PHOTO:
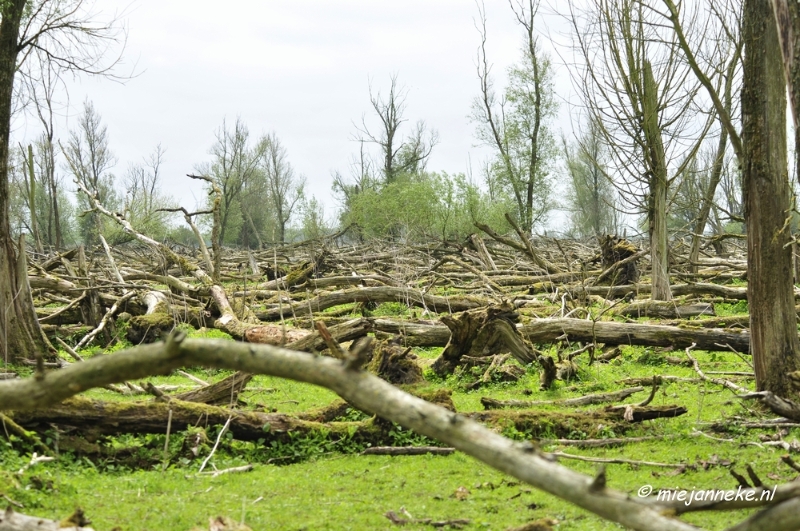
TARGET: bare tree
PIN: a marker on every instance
(90, 160)
(591, 201)
(516, 125)
(284, 188)
(637, 87)
(144, 202)
(235, 164)
(714, 54)
(400, 156)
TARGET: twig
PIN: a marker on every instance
(216, 444)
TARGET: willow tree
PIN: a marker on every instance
(645, 101)
(71, 39)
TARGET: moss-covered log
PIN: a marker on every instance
(94, 418)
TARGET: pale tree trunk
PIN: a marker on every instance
(657, 196)
(20, 334)
(32, 200)
(708, 199)
(767, 198)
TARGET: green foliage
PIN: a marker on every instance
(312, 219)
(726, 308)
(518, 130)
(429, 205)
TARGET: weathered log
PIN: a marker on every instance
(414, 334)
(622, 394)
(616, 292)
(608, 332)
(11, 520)
(250, 332)
(95, 418)
(347, 331)
(226, 391)
(613, 333)
(412, 297)
(665, 309)
(535, 422)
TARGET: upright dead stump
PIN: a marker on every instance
(395, 364)
(614, 250)
(482, 332)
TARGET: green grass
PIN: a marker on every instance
(332, 490)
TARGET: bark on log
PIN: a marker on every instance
(665, 309)
(347, 331)
(95, 418)
(412, 297)
(11, 520)
(608, 332)
(420, 334)
(613, 333)
(226, 391)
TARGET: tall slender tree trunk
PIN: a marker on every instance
(32, 200)
(657, 198)
(708, 199)
(20, 333)
(767, 197)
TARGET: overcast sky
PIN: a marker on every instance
(302, 69)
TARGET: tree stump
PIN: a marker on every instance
(482, 332)
(613, 250)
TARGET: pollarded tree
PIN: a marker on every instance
(645, 99)
(72, 39)
(516, 126)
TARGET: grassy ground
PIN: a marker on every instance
(326, 489)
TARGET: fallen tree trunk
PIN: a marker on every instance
(614, 292)
(665, 309)
(95, 418)
(226, 391)
(414, 334)
(608, 332)
(613, 333)
(411, 297)
(492, 403)
(11, 520)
